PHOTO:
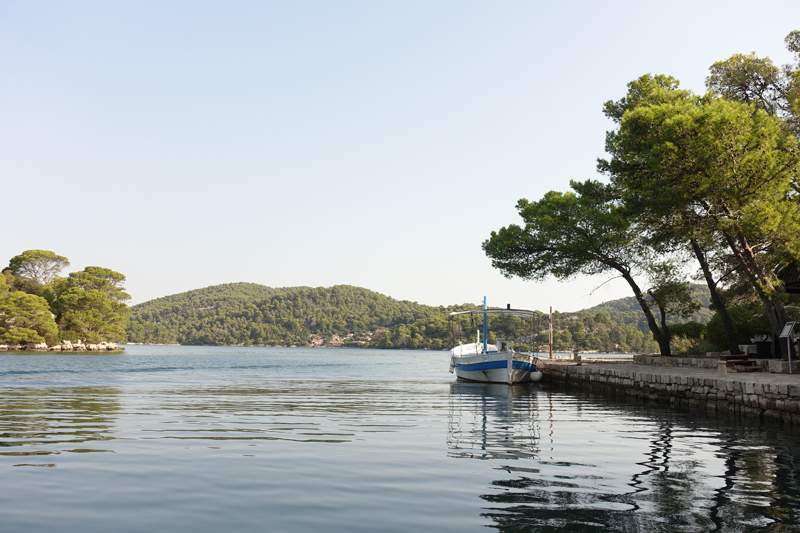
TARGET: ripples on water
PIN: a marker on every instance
(584, 463)
(201, 439)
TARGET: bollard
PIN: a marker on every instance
(722, 368)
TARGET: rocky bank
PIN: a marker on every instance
(65, 346)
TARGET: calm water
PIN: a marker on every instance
(266, 439)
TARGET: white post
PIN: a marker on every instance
(551, 332)
(510, 355)
(787, 332)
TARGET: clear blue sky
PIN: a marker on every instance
(376, 144)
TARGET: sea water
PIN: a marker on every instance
(163, 438)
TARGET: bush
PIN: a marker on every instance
(690, 330)
(746, 323)
(681, 345)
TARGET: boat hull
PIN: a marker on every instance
(493, 368)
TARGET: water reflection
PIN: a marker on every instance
(292, 411)
(492, 421)
(43, 421)
(587, 463)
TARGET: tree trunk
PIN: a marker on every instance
(727, 323)
(663, 316)
(663, 342)
(763, 286)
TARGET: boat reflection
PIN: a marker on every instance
(492, 421)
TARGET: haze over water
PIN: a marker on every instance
(267, 439)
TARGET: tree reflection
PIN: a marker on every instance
(38, 421)
(675, 471)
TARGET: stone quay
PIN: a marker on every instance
(688, 383)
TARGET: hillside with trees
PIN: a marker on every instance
(254, 315)
(251, 314)
(627, 310)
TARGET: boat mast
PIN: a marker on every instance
(485, 327)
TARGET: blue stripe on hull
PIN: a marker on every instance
(488, 365)
(521, 365)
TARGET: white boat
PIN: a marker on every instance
(494, 363)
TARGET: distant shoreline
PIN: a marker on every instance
(540, 353)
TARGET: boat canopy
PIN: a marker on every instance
(515, 312)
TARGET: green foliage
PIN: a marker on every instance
(753, 80)
(23, 284)
(566, 234)
(101, 279)
(689, 330)
(748, 79)
(587, 331)
(708, 170)
(4, 288)
(691, 346)
(586, 232)
(793, 76)
(26, 318)
(649, 90)
(90, 316)
(671, 294)
(628, 311)
(707, 164)
(716, 174)
(747, 322)
(39, 265)
(250, 314)
(87, 305)
(20, 336)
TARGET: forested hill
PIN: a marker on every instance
(247, 313)
(628, 311)
(250, 314)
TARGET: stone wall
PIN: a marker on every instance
(775, 366)
(772, 401)
(658, 360)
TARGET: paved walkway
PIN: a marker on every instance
(683, 371)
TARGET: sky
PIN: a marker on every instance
(316, 143)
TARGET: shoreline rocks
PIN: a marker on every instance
(65, 346)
